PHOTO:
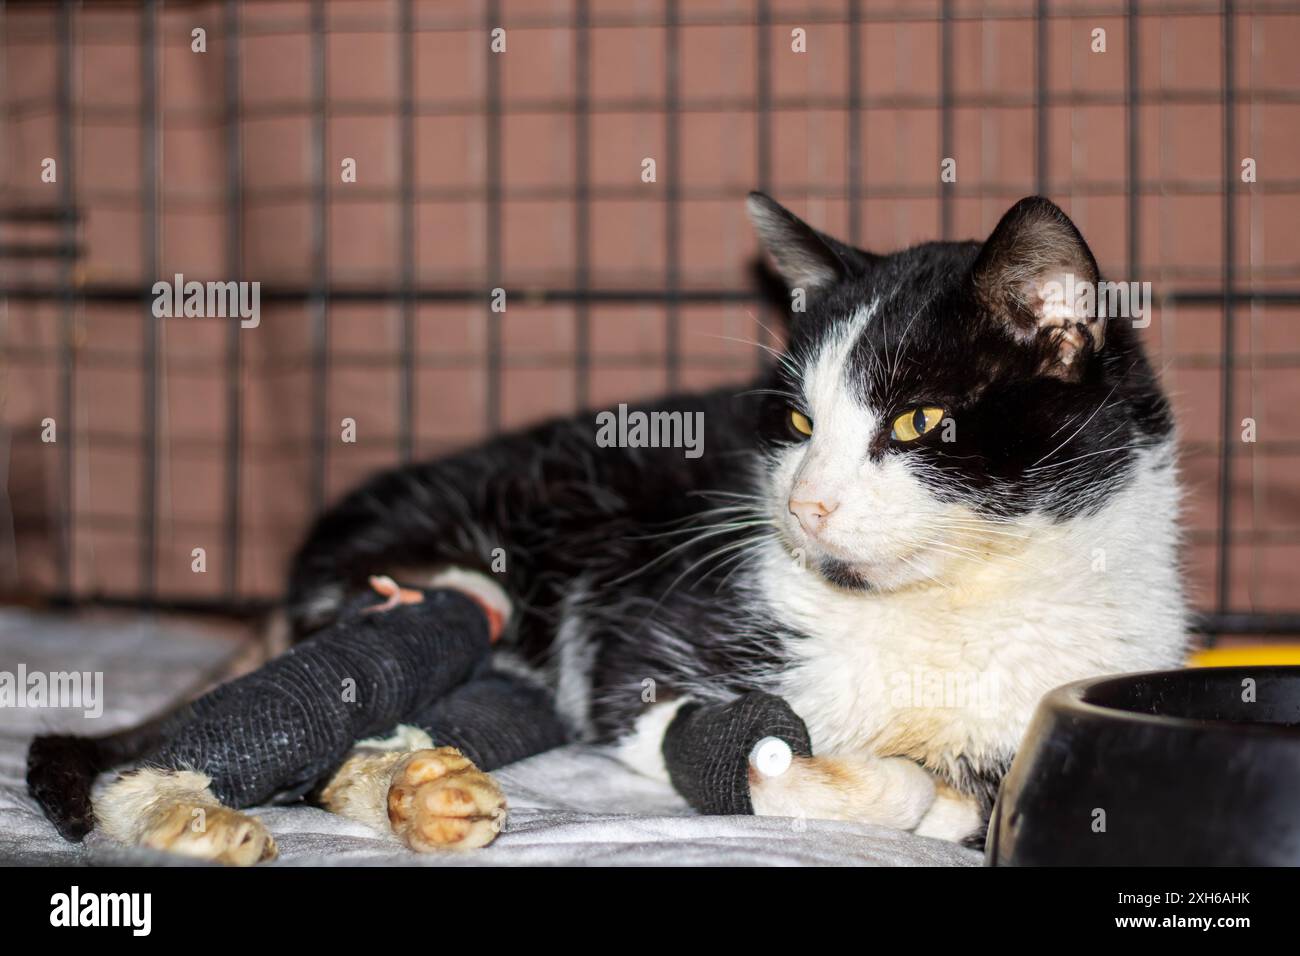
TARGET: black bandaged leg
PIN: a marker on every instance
(494, 720)
(707, 747)
(281, 730)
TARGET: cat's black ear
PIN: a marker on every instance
(1037, 277)
(805, 258)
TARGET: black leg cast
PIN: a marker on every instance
(707, 748)
(494, 720)
(279, 731)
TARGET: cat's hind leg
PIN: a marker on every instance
(176, 811)
(431, 798)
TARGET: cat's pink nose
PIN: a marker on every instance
(811, 514)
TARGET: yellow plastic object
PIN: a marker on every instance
(1245, 654)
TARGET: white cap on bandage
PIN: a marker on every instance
(771, 756)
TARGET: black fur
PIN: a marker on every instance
(982, 783)
(61, 769)
(588, 536)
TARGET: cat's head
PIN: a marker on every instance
(947, 400)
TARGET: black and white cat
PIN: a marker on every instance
(954, 490)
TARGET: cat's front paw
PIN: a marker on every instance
(891, 792)
(208, 833)
(439, 800)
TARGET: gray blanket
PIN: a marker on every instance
(573, 806)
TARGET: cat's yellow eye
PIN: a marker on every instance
(915, 422)
(801, 422)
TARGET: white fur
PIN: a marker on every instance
(126, 808)
(888, 792)
(572, 657)
(950, 817)
(404, 739)
(1006, 626)
(642, 748)
(477, 585)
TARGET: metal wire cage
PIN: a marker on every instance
(505, 145)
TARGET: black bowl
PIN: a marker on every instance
(1168, 768)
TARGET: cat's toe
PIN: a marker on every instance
(210, 833)
(439, 800)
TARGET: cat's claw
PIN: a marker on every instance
(439, 800)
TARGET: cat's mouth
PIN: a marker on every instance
(886, 575)
(843, 574)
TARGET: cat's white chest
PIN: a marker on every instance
(912, 681)
(926, 676)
